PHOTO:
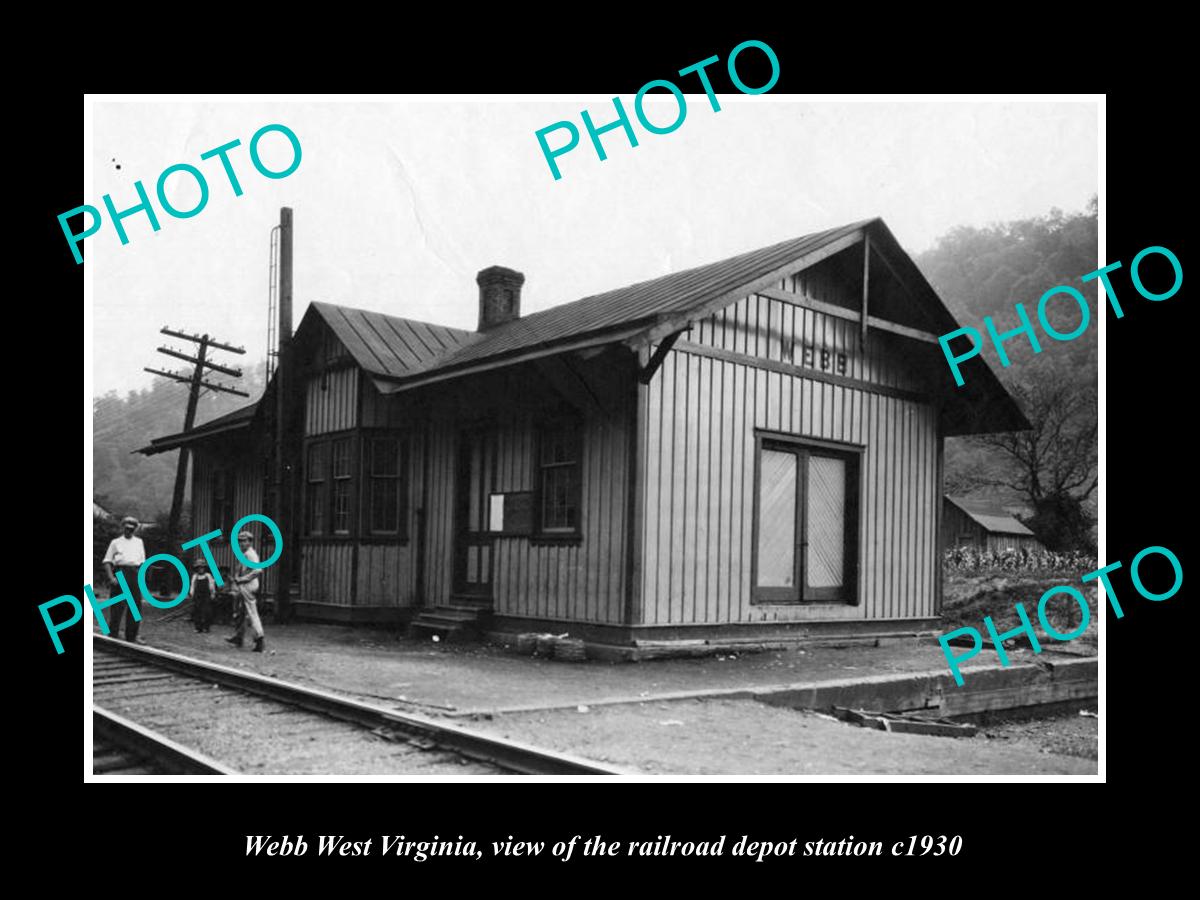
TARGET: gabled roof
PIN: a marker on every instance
(646, 300)
(648, 311)
(401, 350)
(621, 313)
(390, 346)
(990, 516)
(402, 353)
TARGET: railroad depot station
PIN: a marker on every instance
(746, 450)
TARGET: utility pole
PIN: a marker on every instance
(283, 446)
(196, 382)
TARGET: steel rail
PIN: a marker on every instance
(507, 754)
(131, 736)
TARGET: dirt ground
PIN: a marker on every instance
(743, 737)
(446, 678)
(492, 689)
(1073, 732)
(970, 597)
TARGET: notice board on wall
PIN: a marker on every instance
(511, 514)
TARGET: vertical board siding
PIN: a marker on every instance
(247, 498)
(769, 328)
(699, 456)
(326, 571)
(1012, 542)
(440, 516)
(333, 407)
(377, 410)
(386, 575)
(583, 582)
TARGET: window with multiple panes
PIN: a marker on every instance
(806, 522)
(384, 485)
(559, 478)
(316, 496)
(351, 496)
(340, 472)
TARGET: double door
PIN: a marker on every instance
(806, 512)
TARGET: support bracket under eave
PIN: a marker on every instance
(570, 385)
(646, 372)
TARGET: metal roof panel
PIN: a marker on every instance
(990, 516)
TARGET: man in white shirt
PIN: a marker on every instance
(126, 553)
(245, 586)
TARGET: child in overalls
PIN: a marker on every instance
(201, 593)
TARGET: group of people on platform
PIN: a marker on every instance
(126, 554)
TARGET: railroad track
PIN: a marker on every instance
(122, 747)
(191, 714)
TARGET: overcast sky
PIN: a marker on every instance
(398, 205)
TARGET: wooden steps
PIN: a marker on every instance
(460, 619)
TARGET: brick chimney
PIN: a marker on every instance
(499, 296)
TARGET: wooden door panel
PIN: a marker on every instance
(476, 475)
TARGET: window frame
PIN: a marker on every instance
(358, 493)
(366, 526)
(321, 444)
(335, 480)
(572, 424)
(802, 448)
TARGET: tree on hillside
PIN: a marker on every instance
(141, 485)
(1051, 469)
(1053, 465)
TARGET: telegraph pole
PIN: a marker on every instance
(195, 382)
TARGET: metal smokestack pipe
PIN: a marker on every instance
(285, 277)
(283, 462)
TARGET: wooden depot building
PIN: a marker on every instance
(751, 448)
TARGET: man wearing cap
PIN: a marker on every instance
(126, 553)
(245, 584)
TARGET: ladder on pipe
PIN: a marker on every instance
(272, 304)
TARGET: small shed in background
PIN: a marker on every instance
(976, 523)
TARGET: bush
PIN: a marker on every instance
(972, 559)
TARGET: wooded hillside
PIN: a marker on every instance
(1049, 473)
(125, 482)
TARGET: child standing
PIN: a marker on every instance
(201, 592)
